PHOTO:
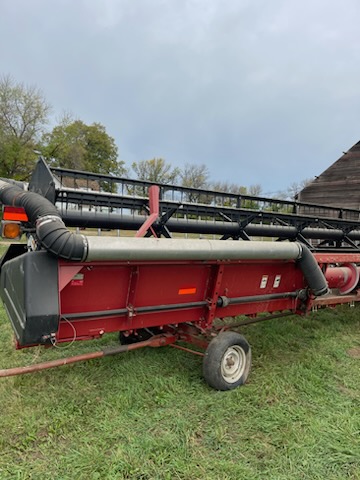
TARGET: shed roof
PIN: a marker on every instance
(338, 185)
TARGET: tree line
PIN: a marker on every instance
(24, 118)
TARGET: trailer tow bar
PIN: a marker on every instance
(155, 341)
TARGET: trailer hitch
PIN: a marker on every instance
(155, 341)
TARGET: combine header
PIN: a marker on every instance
(64, 286)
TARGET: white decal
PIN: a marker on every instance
(264, 281)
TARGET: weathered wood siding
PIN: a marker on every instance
(339, 185)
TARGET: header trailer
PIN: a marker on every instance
(64, 286)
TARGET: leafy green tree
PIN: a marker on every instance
(254, 191)
(228, 187)
(75, 145)
(231, 188)
(156, 170)
(23, 116)
(195, 176)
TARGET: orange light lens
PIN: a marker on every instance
(11, 230)
(187, 291)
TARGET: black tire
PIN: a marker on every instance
(227, 361)
(141, 335)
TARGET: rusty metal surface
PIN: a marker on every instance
(156, 341)
(332, 300)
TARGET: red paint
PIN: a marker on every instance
(118, 291)
(345, 278)
(154, 192)
(16, 214)
(131, 286)
(181, 298)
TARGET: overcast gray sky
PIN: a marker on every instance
(260, 91)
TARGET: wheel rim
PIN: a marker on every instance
(233, 364)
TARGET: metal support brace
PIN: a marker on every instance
(154, 191)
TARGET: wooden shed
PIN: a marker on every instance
(339, 185)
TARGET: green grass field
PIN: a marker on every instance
(149, 415)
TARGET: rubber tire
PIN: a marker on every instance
(142, 334)
(214, 356)
(140, 337)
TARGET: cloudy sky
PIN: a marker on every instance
(262, 92)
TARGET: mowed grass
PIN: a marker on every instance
(149, 415)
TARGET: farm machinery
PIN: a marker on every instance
(175, 267)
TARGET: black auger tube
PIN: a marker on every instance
(50, 229)
(312, 272)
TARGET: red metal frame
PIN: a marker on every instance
(180, 300)
(104, 297)
(154, 207)
(101, 297)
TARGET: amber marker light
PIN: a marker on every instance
(10, 230)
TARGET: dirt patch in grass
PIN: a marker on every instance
(354, 352)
